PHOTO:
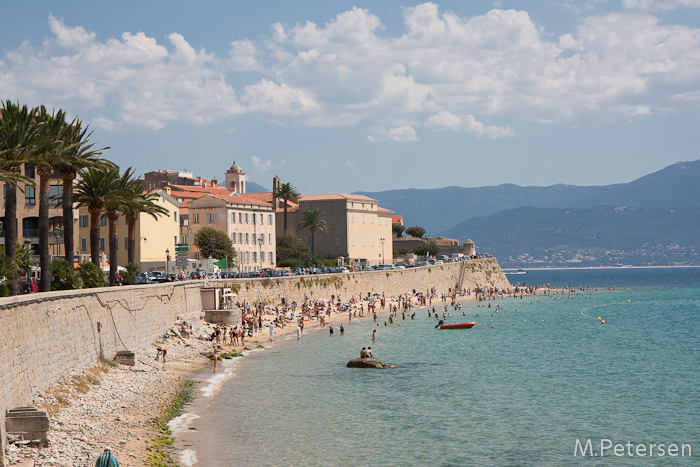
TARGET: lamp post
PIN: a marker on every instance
(261, 239)
(381, 239)
(28, 247)
(167, 261)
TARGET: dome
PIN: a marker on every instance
(235, 168)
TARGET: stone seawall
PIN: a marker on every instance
(480, 273)
(45, 336)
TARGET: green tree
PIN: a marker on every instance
(121, 194)
(94, 189)
(64, 276)
(313, 221)
(19, 131)
(214, 243)
(53, 142)
(398, 230)
(135, 203)
(292, 252)
(286, 192)
(429, 248)
(79, 155)
(415, 231)
(91, 275)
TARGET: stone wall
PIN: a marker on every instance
(45, 336)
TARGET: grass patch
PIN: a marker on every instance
(161, 443)
(80, 384)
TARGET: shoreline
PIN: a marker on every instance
(117, 407)
(559, 268)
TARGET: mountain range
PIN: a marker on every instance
(653, 220)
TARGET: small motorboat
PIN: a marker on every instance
(458, 325)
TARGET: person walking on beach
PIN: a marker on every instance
(107, 459)
(331, 329)
(342, 329)
(272, 331)
(374, 335)
(298, 332)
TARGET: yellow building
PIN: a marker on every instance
(28, 212)
(358, 229)
(247, 221)
(153, 237)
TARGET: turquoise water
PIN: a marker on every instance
(520, 393)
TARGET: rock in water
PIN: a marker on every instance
(367, 363)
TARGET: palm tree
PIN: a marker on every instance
(78, 155)
(286, 192)
(55, 141)
(121, 192)
(18, 136)
(94, 189)
(312, 221)
(135, 203)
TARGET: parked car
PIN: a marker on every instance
(28, 285)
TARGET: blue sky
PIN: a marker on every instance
(346, 96)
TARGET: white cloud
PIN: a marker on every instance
(402, 134)
(444, 120)
(349, 164)
(259, 165)
(448, 71)
(650, 5)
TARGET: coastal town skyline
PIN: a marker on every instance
(359, 96)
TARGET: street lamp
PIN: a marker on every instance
(260, 242)
(167, 261)
(28, 246)
(381, 239)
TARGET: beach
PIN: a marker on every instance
(114, 406)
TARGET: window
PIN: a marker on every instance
(255, 256)
(233, 238)
(175, 240)
(83, 221)
(371, 217)
(270, 219)
(83, 244)
(353, 240)
(247, 256)
(246, 217)
(55, 194)
(363, 217)
(385, 221)
(175, 216)
(270, 258)
(371, 240)
(247, 239)
(29, 171)
(240, 238)
(364, 243)
(195, 218)
(269, 239)
(262, 239)
(253, 218)
(211, 218)
(102, 244)
(233, 217)
(29, 195)
(352, 217)
(103, 222)
(240, 217)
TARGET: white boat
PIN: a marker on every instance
(519, 271)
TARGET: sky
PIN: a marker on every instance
(369, 96)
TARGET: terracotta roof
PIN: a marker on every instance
(397, 220)
(381, 209)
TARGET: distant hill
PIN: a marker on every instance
(252, 187)
(601, 236)
(437, 210)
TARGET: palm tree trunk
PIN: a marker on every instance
(95, 235)
(11, 232)
(112, 223)
(67, 206)
(131, 247)
(313, 241)
(44, 255)
(285, 216)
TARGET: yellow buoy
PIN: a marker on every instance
(598, 318)
(628, 301)
(602, 321)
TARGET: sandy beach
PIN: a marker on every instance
(113, 406)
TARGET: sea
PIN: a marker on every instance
(536, 382)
